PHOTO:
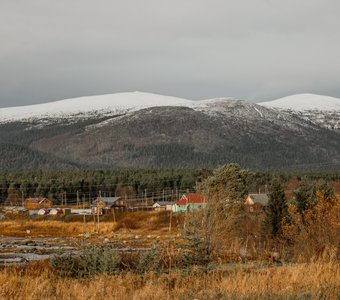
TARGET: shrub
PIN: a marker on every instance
(91, 260)
(149, 261)
(195, 250)
(94, 260)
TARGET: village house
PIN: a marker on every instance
(256, 202)
(189, 202)
(38, 203)
(162, 205)
(106, 204)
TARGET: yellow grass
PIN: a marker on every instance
(49, 228)
(138, 222)
(315, 280)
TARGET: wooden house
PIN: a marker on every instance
(106, 204)
(189, 202)
(256, 202)
(38, 203)
(162, 205)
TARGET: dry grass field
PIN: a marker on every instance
(73, 226)
(316, 280)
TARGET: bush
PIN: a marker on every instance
(94, 260)
(149, 261)
(195, 249)
(91, 260)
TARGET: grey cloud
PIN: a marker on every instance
(254, 50)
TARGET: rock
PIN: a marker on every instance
(26, 242)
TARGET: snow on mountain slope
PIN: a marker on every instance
(303, 102)
(112, 103)
(321, 110)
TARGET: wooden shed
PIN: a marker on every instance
(38, 203)
(162, 205)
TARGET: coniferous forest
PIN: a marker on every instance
(136, 183)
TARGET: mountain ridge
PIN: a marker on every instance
(204, 133)
(120, 103)
(303, 102)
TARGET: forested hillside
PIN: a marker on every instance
(207, 135)
(21, 158)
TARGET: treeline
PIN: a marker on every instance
(125, 183)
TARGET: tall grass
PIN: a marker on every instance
(72, 226)
(315, 280)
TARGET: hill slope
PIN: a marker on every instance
(21, 158)
(303, 102)
(87, 106)
(232, 131)
(184, 134)
(321, 110)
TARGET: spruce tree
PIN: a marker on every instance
(277, 207)
(305, 196)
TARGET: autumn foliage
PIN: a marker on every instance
(315, 232)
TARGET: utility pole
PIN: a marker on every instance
(94, 218)
(77, 199)
(170, 221)
(100, 196)
(22, 199)
(84, 217)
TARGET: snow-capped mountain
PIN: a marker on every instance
(132, 130)
(121, 103)
(88, 106)
(105, 105)
(321, 110)
(303, 102)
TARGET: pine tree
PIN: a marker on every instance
(210, 231)
(277, 207)
(305, 196)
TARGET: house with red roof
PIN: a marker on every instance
(189, 202)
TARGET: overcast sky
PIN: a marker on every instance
(254, 50)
